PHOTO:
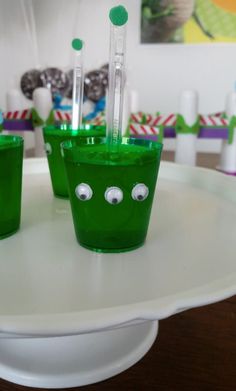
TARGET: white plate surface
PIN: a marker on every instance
(49, 285)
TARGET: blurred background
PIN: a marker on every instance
(37, 34)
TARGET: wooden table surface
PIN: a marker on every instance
(194, 350)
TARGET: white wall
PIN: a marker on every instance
(158, 72)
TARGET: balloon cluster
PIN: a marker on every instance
(61, 83)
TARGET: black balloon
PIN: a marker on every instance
(55, 80)
(95, 83)
(29, 81)
(105, 67)
(69, 90)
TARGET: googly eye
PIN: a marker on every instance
(140, 192)
(83, 192)
(113, 195)
(48, 148)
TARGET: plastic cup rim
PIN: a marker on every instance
(10, 141)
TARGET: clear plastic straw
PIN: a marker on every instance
(116, 83)
(78, 85)
(29, 22)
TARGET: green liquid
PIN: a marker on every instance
(53, 138)
(11, 155)
(102, 226)
(125, 155)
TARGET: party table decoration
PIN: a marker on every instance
(155, 126)
(112, 180)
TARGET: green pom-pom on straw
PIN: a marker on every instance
(78, 83)
(118, 15)
(77, 44)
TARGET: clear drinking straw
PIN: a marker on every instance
(78, 84)
(118, 17)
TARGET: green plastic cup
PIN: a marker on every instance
(111, 193)
(53, 137)
(11, 158)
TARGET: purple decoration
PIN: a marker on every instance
(215, 133)
(205, 132)
(11, 124)
(226, 172)
(169, 132)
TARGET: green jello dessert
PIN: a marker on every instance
(111, 193)
(53, 137)
(11, 156)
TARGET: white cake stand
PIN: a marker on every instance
(70, 317)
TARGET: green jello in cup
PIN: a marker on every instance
(11, 158)
(111, 192)
(53, 137)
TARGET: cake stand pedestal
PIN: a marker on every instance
(71, 317)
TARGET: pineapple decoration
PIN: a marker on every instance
(226, 5)
(218, 17)
(162, 19)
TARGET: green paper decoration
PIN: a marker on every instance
(38, 121)
(182, 127)
(232, 126)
